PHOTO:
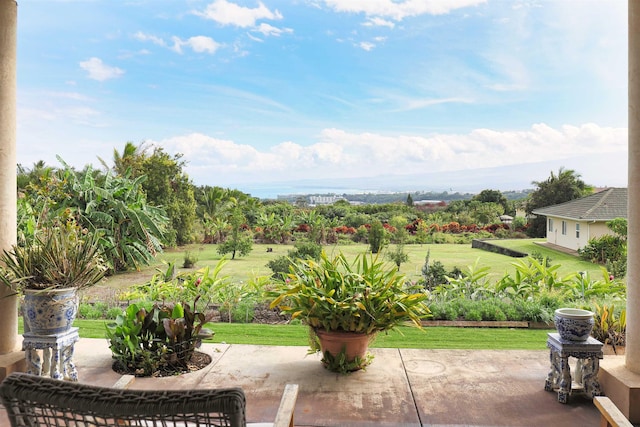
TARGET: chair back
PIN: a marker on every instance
(41, 401)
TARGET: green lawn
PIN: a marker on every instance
(431, 337)
(405, 337)
(449, 255)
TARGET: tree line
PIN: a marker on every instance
(144, 201)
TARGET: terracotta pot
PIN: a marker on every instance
(353, 344)
(50, 312)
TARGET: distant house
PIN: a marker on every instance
(572, 224)
(324, 200)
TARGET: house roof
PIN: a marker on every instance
(605, 205)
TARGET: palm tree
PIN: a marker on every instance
(556, 189)
(37, 174)
(126, 161)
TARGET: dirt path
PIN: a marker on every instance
(109, 289)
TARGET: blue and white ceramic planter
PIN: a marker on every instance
(574, 324)
(51, 311)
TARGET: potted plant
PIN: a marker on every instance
(347, 303)
(48, 270)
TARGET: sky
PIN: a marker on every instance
(276, 97)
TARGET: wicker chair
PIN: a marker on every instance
(40, 401)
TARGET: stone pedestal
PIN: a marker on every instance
(51, 355)
(585, 376)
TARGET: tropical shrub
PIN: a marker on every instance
(363, 296)
(609, 249)
(114, 207)
(543, 259)
(534, 311)
(305, 249)
(60, 255)
(442, 310)
(190, 260)
(604, 248)
(237, 300)
(493, 309)
(163, 327)
(97, 310)
(377, 237)
(167, 286)
(472, 283)
(617, 268)
(433, 273)
(531, 278)
(584, 287)
(131, 340)
(610, 325)
(162, 337)
(361, 235)
(397, 255)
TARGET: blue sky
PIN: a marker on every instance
(330, 94)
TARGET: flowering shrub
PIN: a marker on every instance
(390, 228)
(343, 229)
(303, 228)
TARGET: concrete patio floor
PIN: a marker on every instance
(402, 387)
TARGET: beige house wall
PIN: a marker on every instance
(571, 239)
(598, 229)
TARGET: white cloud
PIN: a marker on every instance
(198, 44)
(99, 71)
(416, 104)
(269, 30)
(148, 37)
(339, 153)
(399, 10)
(203, 44)
(254, 38)
(366, 46)
(378, 22)
(49, 107)
(69, 95)
(227, 13)
(131, 54)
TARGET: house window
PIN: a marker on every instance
(564, 228)
(577, 230)
(550, 224)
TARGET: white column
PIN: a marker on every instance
(8, 214)
(632, 352)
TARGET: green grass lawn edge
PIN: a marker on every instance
(430, 337)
